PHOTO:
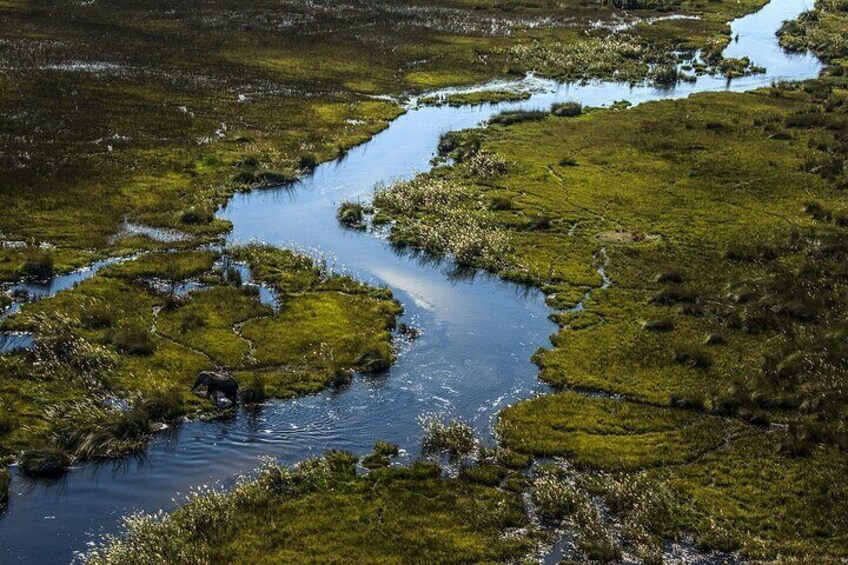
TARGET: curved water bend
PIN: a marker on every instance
(472, 359)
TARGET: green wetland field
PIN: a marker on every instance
(691, 405)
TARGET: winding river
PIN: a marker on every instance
(472, 359)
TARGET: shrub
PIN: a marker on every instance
(253, 391)
(453, 437)
(658, 325)
(163, 404)
(485, 164)
(351, 214)
(44, 462)
(567, 109)
(816, 211)
(386, 448)
(687, 401)
(665, 75)
(670, 276)
(271, 178)
(511, 117)
(232, 276)
(244, 178)
(381, 455)
(5, 479)
(671, 296)
(8, 421)
(499, 203)
(196, 215)
(538, 223)
(307, 162)
(555, 498)
(484, 474)
(38, 265)
(133, 340)
(743, 253)
(191, 321)
(714, 339)
(568, 161)
(797, 442)
(97, 316)
(692, 357)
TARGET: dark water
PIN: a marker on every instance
(472, 359)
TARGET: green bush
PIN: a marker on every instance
(253, 390)
(5, 480)
(351, 214)
(307, 162)
(453, 437)
(196, 215)
(38, 265)
(44, 462)
(511, 117)
(658, 325)
(133, 340)
(567, 109)
(692, 357)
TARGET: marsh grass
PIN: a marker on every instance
(567, 109)
(38, 265)
(452, 437)
(381, 455)
(47, 462)
(5, 481)
(511, 117)
(351, 214)
(423, 517)
(134, 340)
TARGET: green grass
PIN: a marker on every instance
(322, 512)
(608, 434)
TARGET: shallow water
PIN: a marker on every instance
(472, 359)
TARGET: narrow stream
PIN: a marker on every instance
(472, 359)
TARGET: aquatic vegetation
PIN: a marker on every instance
(510, 117)
(613, 56)
(434, 221)
(46, 462)
(381, 455)
(450, 436)
(821, 30)
(351, 214)
(567, 109)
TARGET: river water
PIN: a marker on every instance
(472, 359)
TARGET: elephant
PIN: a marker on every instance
(215, 383)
